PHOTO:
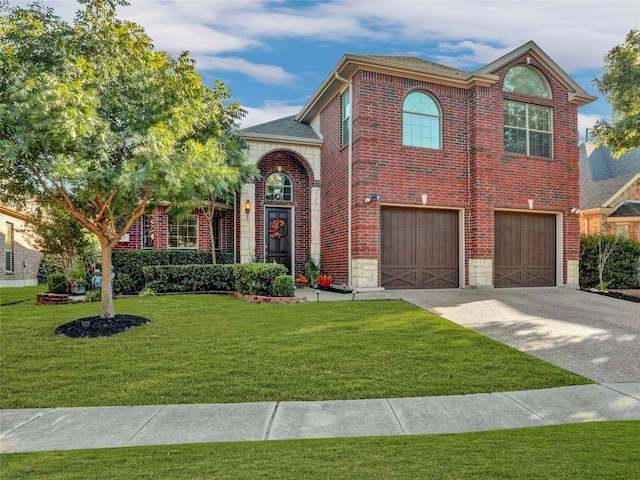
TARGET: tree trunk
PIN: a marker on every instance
(106, 310)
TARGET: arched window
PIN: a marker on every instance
(421, 121)
(528, 128)
(279, 187)
(527, 81)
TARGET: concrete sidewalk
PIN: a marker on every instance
(106, 427)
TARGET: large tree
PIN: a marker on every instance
(620, 83)
(94, 119)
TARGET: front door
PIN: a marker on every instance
(278, 239)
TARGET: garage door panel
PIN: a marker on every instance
(419, 248)
(525, 250)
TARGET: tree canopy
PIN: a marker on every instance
(620, 83)
(95, 120)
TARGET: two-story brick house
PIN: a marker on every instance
(403, 173)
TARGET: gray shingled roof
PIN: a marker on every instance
(599, 165)
(602, 176)
(628, 208)
(283, 127)
(416, 63)
(595, 194)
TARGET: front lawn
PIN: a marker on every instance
(213, 349)
(601, 450)
(18, 294)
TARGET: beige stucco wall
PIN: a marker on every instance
(26, 261)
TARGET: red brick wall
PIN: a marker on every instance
(471, 170)
(301, 177)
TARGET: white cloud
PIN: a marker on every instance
(271, 74)
(270, 110)
(586, 121)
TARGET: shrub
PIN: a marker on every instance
(57, 283)
(131, 262)
(189, 278)
(283, 286)
(147, 292)
(621, 270)
(257, 278)
(93, 296)
(124, 285)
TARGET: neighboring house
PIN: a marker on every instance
(609, 192)
(403, 173)
(20, 259)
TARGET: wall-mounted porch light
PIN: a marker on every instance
(372, 197)
(247, 208)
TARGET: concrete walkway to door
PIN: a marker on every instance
(594, 336)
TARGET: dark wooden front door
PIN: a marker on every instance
(525, 250)
(419, 248)
(278, 236)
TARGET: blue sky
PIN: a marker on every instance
(273, 54)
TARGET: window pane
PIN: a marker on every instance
(346, 115)
(8, 245)
(527, 81)
(515, 141)
(540, 144)
(421, 121)
(515, 114)
(279, 187)
(183, 232)
(539, 118)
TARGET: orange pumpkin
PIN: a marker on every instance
(302, 279)
(325, 280)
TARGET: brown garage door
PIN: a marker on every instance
(419, 248)
(525, 250)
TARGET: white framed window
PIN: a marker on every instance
(183, 232)
(279, 187)
(346, 117)
(146, 231)
(8, 248)
(421, 121)
(528, 128)
(527, 81)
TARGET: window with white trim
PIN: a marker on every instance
(279, 187)
(146, 227)
(8, 248)
(528, 128)
(421, 121)
(346, 117)
(183, 232)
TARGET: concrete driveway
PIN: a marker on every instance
(589, 334)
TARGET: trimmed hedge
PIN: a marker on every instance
(257, 278)
(189, 278)
(246, 278)
(622, 269)
(131, 262)
(57, 283)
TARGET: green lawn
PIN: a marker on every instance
(18, 294)
(605, 450)
(212, 349)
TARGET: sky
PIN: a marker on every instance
(274, 54)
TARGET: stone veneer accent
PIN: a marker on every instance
(573, 274)
(480, 272)
(364, 272)
(248, 224)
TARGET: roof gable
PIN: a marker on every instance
(284, 128)
(577, 94)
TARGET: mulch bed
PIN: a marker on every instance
(619, 295)
(96, 327)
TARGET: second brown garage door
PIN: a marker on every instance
(419, 248)
(525, 250)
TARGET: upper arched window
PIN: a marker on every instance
(421, 123)
(279, 187)
(526, 80)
